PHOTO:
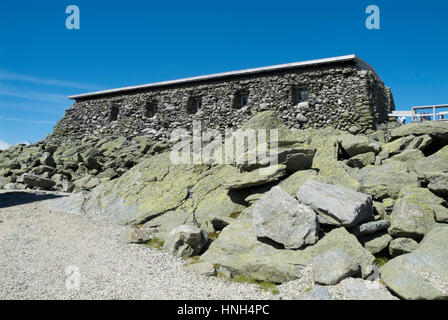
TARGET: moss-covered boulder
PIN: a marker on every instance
(238, 250)
(157, 186)
(421, 274)
(414, 214)
(386, 181)
(437, 129)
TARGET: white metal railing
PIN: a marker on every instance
(417, 115)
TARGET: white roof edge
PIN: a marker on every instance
(361, 63)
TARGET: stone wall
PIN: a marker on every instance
(340, 95)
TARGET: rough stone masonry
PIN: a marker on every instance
(342, 92)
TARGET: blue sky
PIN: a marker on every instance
(135, 42)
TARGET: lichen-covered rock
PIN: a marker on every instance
(331, 266)
(281, 218)
(292, 183)
(438, 129)
(401, 246)
(256, 177)
(355, 145)
(414, 213)
(238, 250)
(326, 161)
(370, 227)
(398, 146)
(361, 160)
(36, 181)
(421, 274)
(157, 186)
(185, 241)
(434, 165)
(375, 243)
(386, 181)
(336, 205)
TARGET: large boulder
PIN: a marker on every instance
(386, 181)
(438, 129)
(185, 241)
(36, 181)
(355, 145)
(281, 218)
(238, 250)
(414, 214)
(421, 274)
(156, 186)
(434, 165)
(336, 205)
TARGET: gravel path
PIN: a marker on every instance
(43, 251)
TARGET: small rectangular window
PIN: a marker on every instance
(241, 99)
(194, 104)
(150, 109)
(113, 113)
(299, 95)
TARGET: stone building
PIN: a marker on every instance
(343, 92)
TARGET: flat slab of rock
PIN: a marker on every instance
(421, 274)
(332, 266)
(256, 177)
(185, 241)
(281, 218)
(36, 181)
(336, 205)
(437, 129)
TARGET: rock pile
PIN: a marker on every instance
(337, 203)
(80, 165)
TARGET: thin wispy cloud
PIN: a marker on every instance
(28, 121)
(47, 108)
(30, 95)
(11, 76)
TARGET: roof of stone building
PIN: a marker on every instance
(347, 58)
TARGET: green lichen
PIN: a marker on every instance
(155, 243)
(214, 235)
(381, 261)
(264, 285)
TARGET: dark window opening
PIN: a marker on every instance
(299, 95)
(241, 99)
(113, 115)
(150, 109)
(194, 104)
